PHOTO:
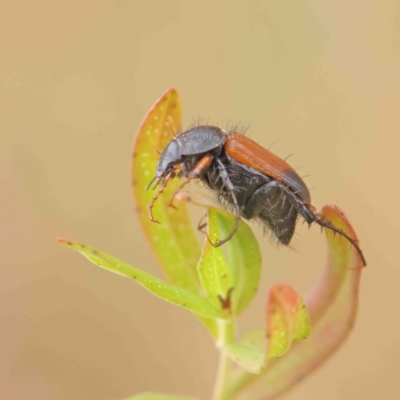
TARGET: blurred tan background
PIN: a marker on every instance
(322, 79)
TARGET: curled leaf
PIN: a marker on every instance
(166, 291)
(287, 322)
(332, 304)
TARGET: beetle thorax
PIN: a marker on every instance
(187, 149)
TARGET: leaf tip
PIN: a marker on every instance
(336, 216)
(170, 90)
(64, 241)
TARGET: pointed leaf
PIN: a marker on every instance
(164, 290)
(172, 241)
(333, 307)
(158, 396)
(231, 271)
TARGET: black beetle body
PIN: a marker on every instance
(248, 179)
(257, 196)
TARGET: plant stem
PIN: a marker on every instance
(240, 383)
(225, 336)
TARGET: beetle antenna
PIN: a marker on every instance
(325, 223)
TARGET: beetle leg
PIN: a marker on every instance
(201, 225)
(307, 212)
(162, 188)
(272, 204)
(231, 189)
(325, 223)
(197, 171)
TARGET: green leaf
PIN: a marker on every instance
(214, 271)
(332, 305)
(172, 241)
(158, 396)
(233, 269)
(166, 291)
(287, 322)
(249, 352)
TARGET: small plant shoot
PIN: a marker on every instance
(218, 281)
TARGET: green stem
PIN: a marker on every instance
(225, 336)
(240, 383)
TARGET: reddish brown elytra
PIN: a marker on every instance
(248, 179)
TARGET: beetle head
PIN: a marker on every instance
(167, 162)
(168, 159)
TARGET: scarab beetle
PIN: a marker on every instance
(249, 180)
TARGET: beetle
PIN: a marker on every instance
(248, 179)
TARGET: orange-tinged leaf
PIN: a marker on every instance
(332, 304)
(287, 320)
(172, 241)
(342, 257)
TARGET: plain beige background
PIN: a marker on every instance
(322, 79)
